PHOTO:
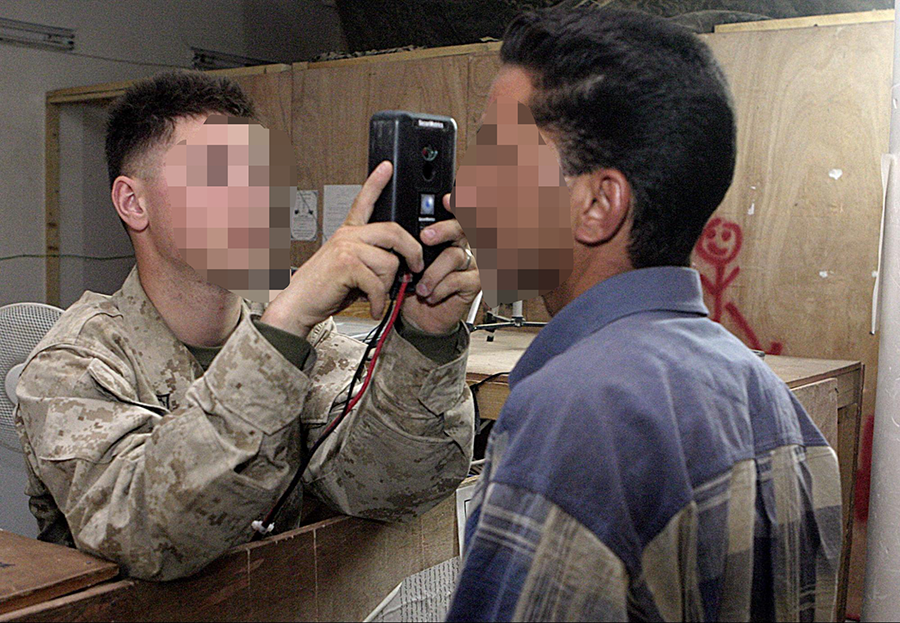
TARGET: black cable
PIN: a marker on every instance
(263, 527)
(365, 357)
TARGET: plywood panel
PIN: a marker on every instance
(813, 114)
(332, 106)
(283, 578)
(219, 592)
(806, 195)
(111, 601)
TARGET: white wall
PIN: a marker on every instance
(146, 33)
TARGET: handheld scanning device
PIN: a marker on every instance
(422, 149)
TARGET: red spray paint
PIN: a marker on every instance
(719, 246)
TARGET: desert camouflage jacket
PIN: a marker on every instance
(137, 456)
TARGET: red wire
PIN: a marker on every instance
(396, 311)
(381, 340)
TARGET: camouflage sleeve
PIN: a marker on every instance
(406, 445)
(162, 493)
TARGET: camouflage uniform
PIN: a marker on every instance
(137, 456)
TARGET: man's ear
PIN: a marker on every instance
(126, 198)
(602, 204)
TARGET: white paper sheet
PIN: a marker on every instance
(304, 215)
(463, 508)
(336, 205)
(423, 596)
(888, 171)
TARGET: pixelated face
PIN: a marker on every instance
(720, 242)
(513, 204)
(230, 188)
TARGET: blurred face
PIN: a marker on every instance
(230, 184)
(512, 201)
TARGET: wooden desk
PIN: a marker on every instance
(830, 391)
(32, 571)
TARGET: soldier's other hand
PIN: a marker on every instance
(356, 261)
(449, 285)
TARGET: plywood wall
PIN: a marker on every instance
(813, 116)
(812, 123)
(813, 119)
(333, 103)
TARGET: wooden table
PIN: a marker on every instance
(830, 391)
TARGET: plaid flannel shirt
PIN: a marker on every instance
(647, 465)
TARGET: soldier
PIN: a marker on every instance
(159, 422)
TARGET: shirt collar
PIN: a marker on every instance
(166, 361)
(664, 288)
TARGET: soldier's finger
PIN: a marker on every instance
(451, 259)
(364, 203)
(383, 263)
(444, 231)
(458, 282)
(392, 236)
(374, 289)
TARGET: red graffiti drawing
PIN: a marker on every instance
(719, 246)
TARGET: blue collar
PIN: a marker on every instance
(666, 288)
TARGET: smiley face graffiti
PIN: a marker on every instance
(719, 245)
(721, 242)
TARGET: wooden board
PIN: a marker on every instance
(332, 106)
(51, 202)
(806, 196)
(33, 571)
(811, 21)
(820, 399)
(338, 569)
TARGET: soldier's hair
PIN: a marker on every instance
(628, 91)
(146, 114)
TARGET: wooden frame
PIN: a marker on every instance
(831, 19)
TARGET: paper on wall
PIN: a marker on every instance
(336, 205)
(304, 215)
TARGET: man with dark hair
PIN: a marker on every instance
(646, 464)
(161, 422)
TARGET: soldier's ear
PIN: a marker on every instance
(127, 199)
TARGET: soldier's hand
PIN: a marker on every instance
(446, 290)
(356, 260)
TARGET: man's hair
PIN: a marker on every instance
(146, 114)
(628, 91)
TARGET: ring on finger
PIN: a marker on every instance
(469, 258)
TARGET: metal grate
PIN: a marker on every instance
(22, 325)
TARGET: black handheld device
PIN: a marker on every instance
(422, 149)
